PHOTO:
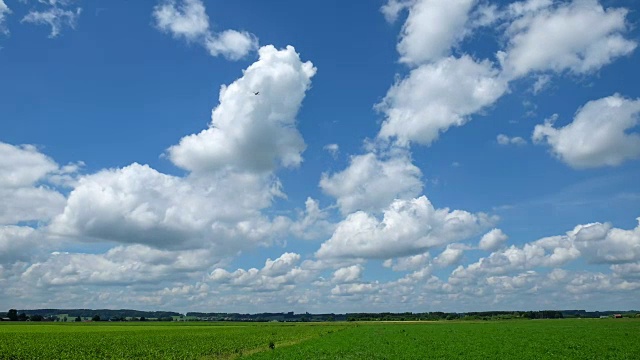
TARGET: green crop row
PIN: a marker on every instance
(106, 341)
(533, 339)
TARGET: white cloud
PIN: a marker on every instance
(408, 263)
(4, 11)
(599, 134)
(596, 243)
(546, 252)
(451, 255)
(188, 19)
(281, 265)
(22, 169)
(431, 29)
(484, 15)
(253, 132)
(232, 44)
(437, 96)
(392, 8)
(17, 243)
(280, 274)
(23, 165)
(408, 227)
(370, 183)
(580, 36)
(348, 274)
(120, 265)
(503, 139)
(137, 204)
(601, 243)
(492, 240)
(55, 17)
(521, 8)
(333, 149)
(312, 223)
(354, 289)
(542, 81)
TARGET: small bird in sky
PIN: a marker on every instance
(256, 93)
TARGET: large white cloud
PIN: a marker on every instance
(595, 242)
(120, 265)
(580, 36)
(23, 165)
(407, 227)
(435, 97)
(24, 197)
(602, 243)
(188, 19)
(253, 132)
(600, 134)
(218, 205)
(371, 184)
(137, 204)
(431, 29)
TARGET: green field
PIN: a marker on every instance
(520, 339)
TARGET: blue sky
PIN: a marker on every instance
(402, 155)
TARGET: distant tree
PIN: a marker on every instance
(95, 318)
(78, 319)
(13, 315)
(22, 317)
(36, 317)
(142, 318)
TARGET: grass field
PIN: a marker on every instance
(522, 339)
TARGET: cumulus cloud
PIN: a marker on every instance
(408, 263)
(600, 134)
(546, 252)
(253, 132)
(437, 96)
(281, 265)
(188, 19)
(279, 274)
(504, 140)
(348, 274)
(492, 240)
(313, 223)
(17, 243)
(57, 18)
(23, 170)
(121, 265)
(407, 227)
(579, 36)
(137, 204)
(354, 289)
(371, 184)
(595, 242)
(431, 29)
(602, 243)
(451, 255)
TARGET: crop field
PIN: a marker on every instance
(519, 339)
